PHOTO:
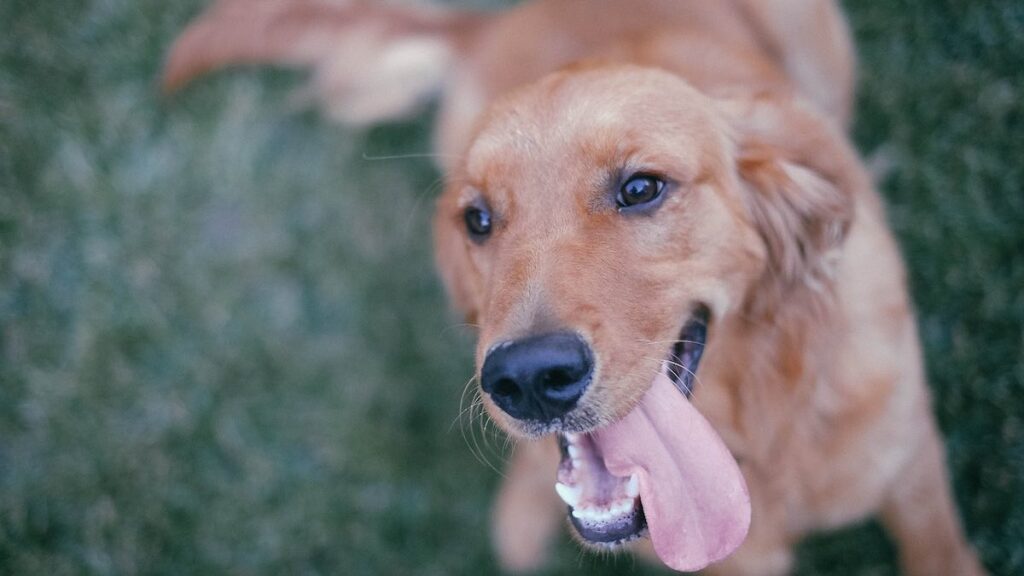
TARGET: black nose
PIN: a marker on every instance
(538, 378)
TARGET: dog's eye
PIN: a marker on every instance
(478, 222)
(638, 190)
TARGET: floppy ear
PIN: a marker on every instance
(370, 61)
(799, 181)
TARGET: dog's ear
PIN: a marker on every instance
(799, 182)
(371, 61)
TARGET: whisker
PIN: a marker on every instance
(411, 156)
(476, 449)
(462, 402)
(672, 342)
(418, 201)
(499, 435)
(483, 422)
(471, 441)
(688, 388)
(462, 412)
(451, 327)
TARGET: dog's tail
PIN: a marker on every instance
(370, 61)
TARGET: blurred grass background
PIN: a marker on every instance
(223, 348)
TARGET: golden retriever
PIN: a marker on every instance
(635, 189)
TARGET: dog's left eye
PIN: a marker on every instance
(478, 222)
(639, 190)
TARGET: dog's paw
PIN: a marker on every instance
(521, 539)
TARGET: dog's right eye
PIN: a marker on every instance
(639, 190)
(478, 222)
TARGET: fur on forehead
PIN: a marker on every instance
(621, 113)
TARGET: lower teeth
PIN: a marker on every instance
(616, 510)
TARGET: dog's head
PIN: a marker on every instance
(603, 215)
(602, 221)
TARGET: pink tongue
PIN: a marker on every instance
(693, 494)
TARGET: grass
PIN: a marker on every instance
(223, 348)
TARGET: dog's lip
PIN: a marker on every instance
(619, 532)
(686, 353)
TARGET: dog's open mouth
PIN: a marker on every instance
(604, 509)
(660, 470)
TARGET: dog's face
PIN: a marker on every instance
(601, 223)
(597, 220)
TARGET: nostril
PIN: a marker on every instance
(559, 378)
(507, 388)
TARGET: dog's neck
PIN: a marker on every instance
(761, 356)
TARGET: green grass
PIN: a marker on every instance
(223, 348)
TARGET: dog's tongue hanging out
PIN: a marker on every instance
(693, 495)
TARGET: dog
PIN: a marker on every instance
(689, 306)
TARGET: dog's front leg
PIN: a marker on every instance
(920, 514)
(527, 512)
(767, 551)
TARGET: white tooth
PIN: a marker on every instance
(574, 451)
(569, 494)
(633, 486)
(582, 513)
(572, 436)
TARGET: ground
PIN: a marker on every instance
(223, 348)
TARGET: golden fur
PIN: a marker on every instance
(812, 374)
